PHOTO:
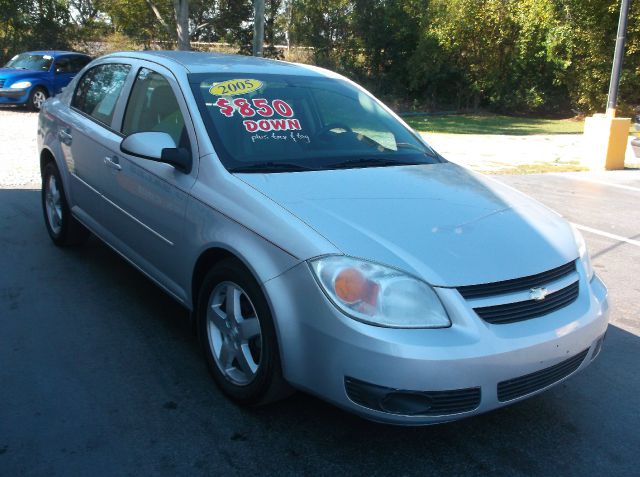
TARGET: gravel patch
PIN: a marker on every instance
(500, 153)
(19, 165)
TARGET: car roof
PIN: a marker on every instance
(199, 62)
(55, 53)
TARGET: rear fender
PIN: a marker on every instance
(49, 146)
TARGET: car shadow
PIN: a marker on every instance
(18, 108)
(105, 364)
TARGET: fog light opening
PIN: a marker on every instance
(407, 403)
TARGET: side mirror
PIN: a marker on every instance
(159, 147)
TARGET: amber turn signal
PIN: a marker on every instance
(352, 287)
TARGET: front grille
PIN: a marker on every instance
(517, 284)
(515, 388)
(525, 310)
(2, 80)
(440, 402)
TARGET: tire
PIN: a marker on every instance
(62, 227)
(233, 369)
(37, 98)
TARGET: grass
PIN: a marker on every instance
(486, 124)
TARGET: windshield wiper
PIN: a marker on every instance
(406, 145)
(426, 151)
(270, 167)
(370, 162)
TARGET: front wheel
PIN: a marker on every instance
(37, 98)
(238, 335)
(62, 227)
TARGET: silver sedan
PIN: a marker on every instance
(318, 241)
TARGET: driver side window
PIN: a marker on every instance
(153, 107)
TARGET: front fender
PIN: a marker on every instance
(207, 228)
(41, 83)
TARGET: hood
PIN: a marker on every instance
(448, 225)
(15, 74)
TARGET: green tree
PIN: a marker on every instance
(387, 36)
(272, 32)
(233, 23)
(503, 55)
(40, 24)
(586, 40)
(495, 53)
(137, 20)
(326, 26)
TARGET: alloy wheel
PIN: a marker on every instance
(53, 205)
(38, 99)
(235, 336)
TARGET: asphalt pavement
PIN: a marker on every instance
(100, 373)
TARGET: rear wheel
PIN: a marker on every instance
(62, 227)
(37, 98)
(238, 336)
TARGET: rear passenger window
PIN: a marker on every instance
(153, 107)
(98, 91)
(63, 65)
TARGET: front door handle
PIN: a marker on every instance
(113, 162)
(65, 136)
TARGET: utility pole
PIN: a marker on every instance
(618, 56)
(258, 27)
(606, 135)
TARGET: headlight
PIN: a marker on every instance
(582, 251)
(379, 295)
(21, 85)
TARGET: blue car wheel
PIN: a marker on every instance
(37, 98)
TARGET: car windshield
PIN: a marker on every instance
(28, 61)
(279, 123)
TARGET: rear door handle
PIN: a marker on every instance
(113, 162)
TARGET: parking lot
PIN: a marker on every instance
(100, 373)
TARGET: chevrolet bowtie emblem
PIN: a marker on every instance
(538, 293)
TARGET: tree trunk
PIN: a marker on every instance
(156, 12)
(181, 8)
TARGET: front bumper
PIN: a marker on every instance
(13, 96)
(323, 351)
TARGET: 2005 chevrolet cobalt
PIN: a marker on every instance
(319, 242)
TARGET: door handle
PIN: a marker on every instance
(113, 162)
(65, 136)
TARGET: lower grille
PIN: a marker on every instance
(518, 387)
(525, 310)
(422, 403)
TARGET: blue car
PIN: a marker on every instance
(30, 78)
